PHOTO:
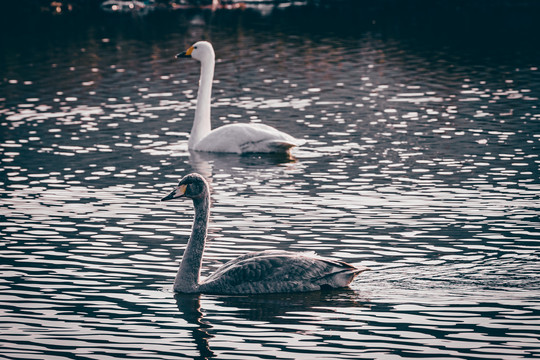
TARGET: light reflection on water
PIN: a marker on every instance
(421, 164)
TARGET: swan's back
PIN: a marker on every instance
(279, 271)
(246, 138)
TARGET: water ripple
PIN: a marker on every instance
(421, 164)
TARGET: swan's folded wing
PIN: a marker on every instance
(246, 138)
(280, 272)
(234, 262)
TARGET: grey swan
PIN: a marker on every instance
(238, 138)
(270, 271)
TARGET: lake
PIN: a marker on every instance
(421, 161)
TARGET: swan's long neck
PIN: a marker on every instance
(187, 278)
(201, 124)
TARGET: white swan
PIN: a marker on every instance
(253, 273)
(232, 138)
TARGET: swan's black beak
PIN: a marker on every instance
(182, 55)
(170, 196)
(185, 54)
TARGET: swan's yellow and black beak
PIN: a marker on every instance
(185, 54)
(176, 193)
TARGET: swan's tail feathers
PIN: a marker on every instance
(358, 270)
(267, 146)
(349, 275)
(341, 278)
(281, 145)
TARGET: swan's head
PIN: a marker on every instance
(202, 51)
(192, 186)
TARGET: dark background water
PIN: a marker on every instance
(422, 132)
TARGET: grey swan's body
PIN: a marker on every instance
(253, 273)
(238, 138)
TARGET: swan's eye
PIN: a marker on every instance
(194, 47)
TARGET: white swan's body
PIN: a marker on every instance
(233, 138)
(245, 138)
(252, 273)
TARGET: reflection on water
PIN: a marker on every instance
(420, 161)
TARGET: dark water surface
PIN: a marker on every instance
(421, 161)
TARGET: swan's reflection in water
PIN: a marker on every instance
(221, 316)
(207, 164)
(190, 306)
